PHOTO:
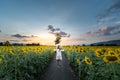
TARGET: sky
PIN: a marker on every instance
(86, 21)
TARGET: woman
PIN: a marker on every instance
(58, 51)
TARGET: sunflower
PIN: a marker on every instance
(11, 52)
(111, 58)
(99, 53)
(0, 59)
(78, 61)
(111, 53)
(88, 61)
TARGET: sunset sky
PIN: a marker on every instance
(87, 21)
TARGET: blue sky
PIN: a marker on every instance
(88, 21)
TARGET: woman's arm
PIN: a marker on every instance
(62, 50)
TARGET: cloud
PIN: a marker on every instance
(32, 36)
(106, 19)
(52, 29)
(118, 22)
(22, 36)
(14, 40)
(64, 34)
(25, 40)
(57, 31)
(79, 40)
(111, 13)
(115, 7)
(106, 31)
(20, 40)
(18, 36)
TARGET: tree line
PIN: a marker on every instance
(7, 43)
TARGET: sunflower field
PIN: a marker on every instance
(24, 62)
(94, 62)
(88, 62)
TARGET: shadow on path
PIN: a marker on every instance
(54, 72)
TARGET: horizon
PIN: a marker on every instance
(87, 22)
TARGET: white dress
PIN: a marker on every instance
(59, 54)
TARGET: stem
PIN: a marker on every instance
(15, 70)
(113, 69)
(79, 72)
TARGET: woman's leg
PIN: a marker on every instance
(57, 62)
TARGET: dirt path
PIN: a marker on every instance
(54, 72)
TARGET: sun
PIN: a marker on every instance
(46, 36)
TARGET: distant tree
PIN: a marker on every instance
(17, 44)
(33, 44)
(1, 44)
(100, 44)
(7, 43)
(83, 45)
(110, 44)
(91, 44)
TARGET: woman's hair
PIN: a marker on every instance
(58, 47)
